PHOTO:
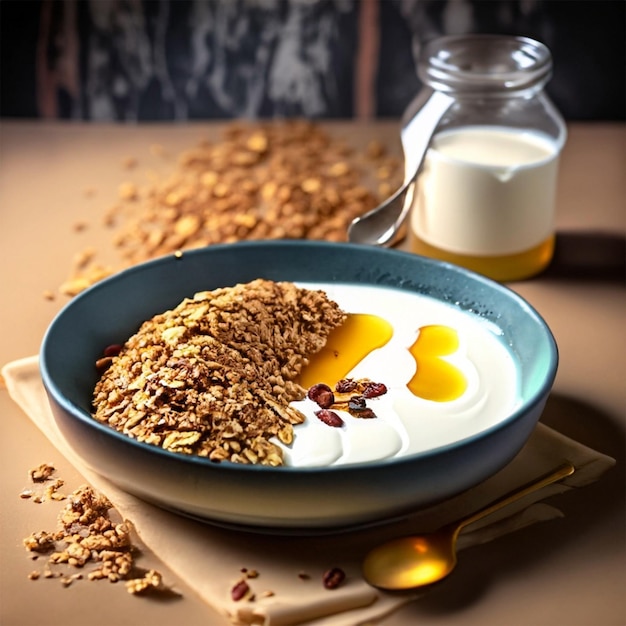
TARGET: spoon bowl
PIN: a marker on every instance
(420, 560)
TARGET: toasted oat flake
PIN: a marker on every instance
(215, 376)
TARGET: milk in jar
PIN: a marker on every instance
(485, 199)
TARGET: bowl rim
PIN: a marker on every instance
(528, 404)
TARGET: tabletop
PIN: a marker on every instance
(57, 181)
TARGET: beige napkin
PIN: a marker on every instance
(209, 559)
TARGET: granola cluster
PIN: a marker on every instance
(215, 376)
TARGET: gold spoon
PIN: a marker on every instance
(415, 561)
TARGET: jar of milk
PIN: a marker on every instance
(485, 194)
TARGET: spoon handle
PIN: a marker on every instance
(418, 130)
(566, 469)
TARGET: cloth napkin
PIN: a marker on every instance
(210, 558)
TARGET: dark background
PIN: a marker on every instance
(118, 46)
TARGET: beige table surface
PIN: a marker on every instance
(567, 572)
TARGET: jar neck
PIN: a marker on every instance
(485, 65)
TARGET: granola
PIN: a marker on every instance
(41, 473)
(265, 180)
(215, 376)
(86, 534)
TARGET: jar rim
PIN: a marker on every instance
(484, 63)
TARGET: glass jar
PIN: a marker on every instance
(485, 195)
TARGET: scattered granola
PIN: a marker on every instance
(280, 179)
(48, 489)
(41, 541)
(52, 490)
(150, 582)
(215, 376)
(41, 473)
(86, 534)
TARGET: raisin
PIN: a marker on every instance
(239, 590)
(329, 417)
(373, 390)
(322, 395)
(346, 385)
(333, 577)
(113, 350)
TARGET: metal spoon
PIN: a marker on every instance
(380, 225)
(411, 562)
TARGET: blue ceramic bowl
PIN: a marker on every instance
(286, 497)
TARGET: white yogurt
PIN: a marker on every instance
(406, 424)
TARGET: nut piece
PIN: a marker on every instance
(333, 578)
